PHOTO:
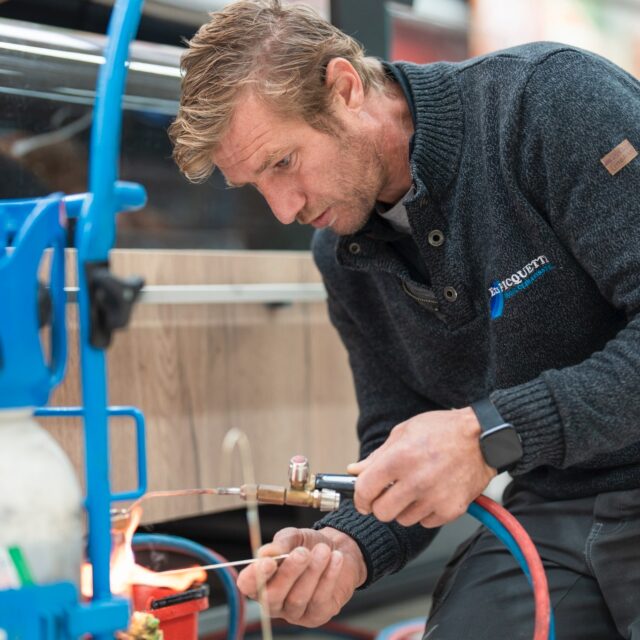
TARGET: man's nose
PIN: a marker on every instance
(285, 202)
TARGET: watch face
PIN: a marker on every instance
(501, 448)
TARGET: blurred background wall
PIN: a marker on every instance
(608, 27)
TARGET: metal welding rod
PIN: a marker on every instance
(222, 565)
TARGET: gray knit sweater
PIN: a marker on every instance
(533, 296)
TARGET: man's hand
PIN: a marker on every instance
(428, 471)
(317, 579)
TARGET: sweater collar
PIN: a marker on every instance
(434, 101)
(435, 104)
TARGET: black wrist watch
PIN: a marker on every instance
(499, 441)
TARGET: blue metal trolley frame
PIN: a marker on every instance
(55, 611)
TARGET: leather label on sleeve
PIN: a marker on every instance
(619, 157)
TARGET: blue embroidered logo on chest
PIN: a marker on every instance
(501, 290)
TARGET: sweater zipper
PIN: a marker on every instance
(428, 301)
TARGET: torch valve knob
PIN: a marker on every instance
(298, 472)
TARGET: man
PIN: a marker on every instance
(479, 238)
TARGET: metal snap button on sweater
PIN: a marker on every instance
(435, 238)
(450, 294)
(354, 248)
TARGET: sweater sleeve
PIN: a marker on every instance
(577, 108)
(383, 401)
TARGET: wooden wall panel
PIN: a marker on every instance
(279, 374)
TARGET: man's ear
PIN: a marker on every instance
(344, 83)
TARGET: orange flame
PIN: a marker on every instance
(125, 572)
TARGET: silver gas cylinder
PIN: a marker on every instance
(41, 524)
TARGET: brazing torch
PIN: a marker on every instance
(318, 490)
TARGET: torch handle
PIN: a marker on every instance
(343, 483)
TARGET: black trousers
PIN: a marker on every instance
(590, 548)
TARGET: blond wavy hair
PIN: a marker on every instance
(278, 52)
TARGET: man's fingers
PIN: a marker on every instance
(327, 599)
(432, 521)
(371, 484)
(392, 501)
(414, 513)
(281, 583)
(355, 468)
(285, 541)
(273, 549)
(301, 593)
(248, 578)
(268, 570)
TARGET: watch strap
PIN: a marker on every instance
(499, 442)
(489, 417)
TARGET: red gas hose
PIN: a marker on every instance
(538, 576)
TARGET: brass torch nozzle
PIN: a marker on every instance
(325, 500)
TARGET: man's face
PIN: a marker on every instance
(304, 174)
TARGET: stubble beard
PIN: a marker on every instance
(354, 214)
(356, 209)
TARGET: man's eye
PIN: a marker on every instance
(284, 163)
